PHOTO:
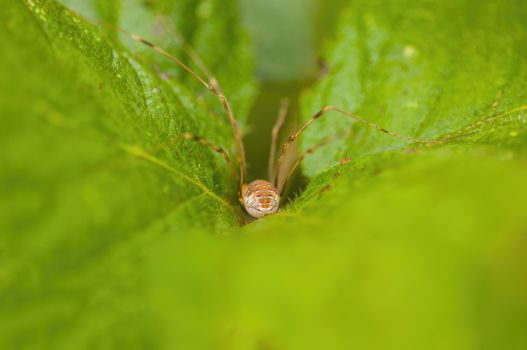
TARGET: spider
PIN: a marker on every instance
(260, 197)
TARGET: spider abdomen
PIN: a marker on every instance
(260, 198)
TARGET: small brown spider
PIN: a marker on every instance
(260, 197)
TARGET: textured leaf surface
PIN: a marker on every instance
(116, 234)
(421, 69)
(94, 166)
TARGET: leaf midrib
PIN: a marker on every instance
(60, 122)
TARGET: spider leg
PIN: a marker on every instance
(212, 87)
(215, 148)
(308, 152)
(189, 51)
(329, 108)
(282, 113)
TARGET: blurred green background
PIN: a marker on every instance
(116, 233)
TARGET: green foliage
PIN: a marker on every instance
(115, 233)
(422, 69)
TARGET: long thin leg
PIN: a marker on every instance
(308, 152)
(240, 150)
(189, 51)
(327, 109)
(282, 113)
(218, 149)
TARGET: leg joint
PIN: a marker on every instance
(328, 108)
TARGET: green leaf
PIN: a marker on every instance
(115, 233)
(423, 70)
(105, 98)
(92, 161)
(418, 70)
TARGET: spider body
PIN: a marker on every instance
(260, 198)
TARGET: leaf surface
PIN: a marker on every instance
(113, 228)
